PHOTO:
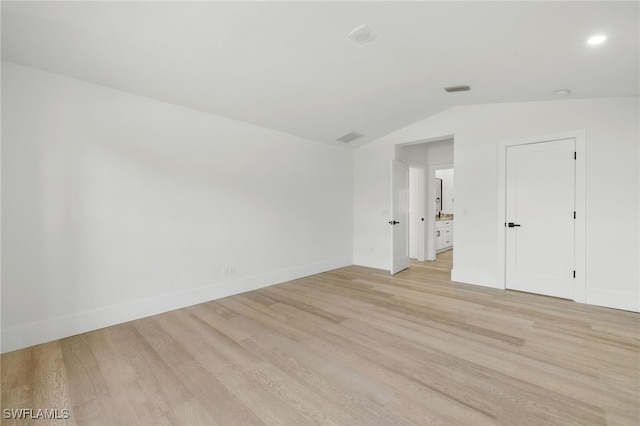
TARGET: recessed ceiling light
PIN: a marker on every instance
(597, 39)
(562, 92)
(362, 34)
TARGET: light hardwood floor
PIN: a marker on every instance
(443, 262)
(354, 346)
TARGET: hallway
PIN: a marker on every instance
(443, 262)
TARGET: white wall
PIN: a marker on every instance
(612, 188)
(117, 206)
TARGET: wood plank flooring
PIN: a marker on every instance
(444, 261)
(353, 346)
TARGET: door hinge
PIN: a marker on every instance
(575, 155)
(574, 215)
(574, 274)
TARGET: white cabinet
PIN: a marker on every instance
(444, 234)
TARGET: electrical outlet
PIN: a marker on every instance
(232, 269)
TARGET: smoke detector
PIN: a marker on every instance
(362, 34)
(348, 137)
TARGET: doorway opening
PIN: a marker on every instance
(444, 223)
(423, 159)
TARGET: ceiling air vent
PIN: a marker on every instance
(351, 136)
(452, 89)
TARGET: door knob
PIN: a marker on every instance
(513, 225)
(393, 222)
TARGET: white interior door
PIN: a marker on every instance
(416, 215)
(540, 206)
(399, 216)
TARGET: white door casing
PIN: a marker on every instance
(399, 216)
(540, 223)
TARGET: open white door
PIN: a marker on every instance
(540, 206)
(399, 216)
(416, 213)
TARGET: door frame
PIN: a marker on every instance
(580, 136)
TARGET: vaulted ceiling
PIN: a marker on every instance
(290, 65)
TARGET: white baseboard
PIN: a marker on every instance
(35, 333)
(613, 299)
(596, 296)
(481, 278)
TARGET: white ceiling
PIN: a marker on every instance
(290, 66)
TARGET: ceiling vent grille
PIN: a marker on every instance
(351, 136)
(453, 89)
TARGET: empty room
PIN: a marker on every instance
(320, 212)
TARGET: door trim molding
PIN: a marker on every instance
(580, 136)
